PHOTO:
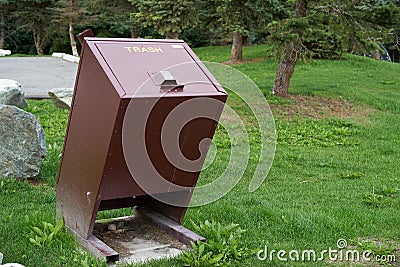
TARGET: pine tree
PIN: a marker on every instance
(291, 53)
(115, 16)
(5, 6)
(239, 17)
(328, 28)
(70, 13)
(169, 17)
(38, 15)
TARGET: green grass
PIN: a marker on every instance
(24, 55)
(222, 53)
(331, 178)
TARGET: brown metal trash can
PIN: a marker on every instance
(112, 152)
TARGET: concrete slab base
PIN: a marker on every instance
(136, 239)
(141, 250)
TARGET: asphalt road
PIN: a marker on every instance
(38, 75)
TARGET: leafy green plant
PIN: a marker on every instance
(389, 191)
(44, 234)
(11, 186)
(84, 259)
(377, 200)
(200, 256)
(222, 247)
(6, 187)
(378, 248)
(381, 198)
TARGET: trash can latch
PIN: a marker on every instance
(166, 81)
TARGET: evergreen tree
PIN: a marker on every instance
(5, 11)
(292, 49)
(3, 6)
(115, 17)
(234, 18)
(70, 13)
(328, 29)
(239, 17)
(38, 15)
(169, 17)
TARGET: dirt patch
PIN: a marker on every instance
(319, 107)
(38, 184)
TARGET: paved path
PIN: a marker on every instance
(38, 75)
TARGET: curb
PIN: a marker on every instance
(66, 57)
(4, 52)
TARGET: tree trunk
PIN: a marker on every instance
(72, 38)
(236, 52)
(352, 42)
(285, 69)
(2, 27)
(172, 35)
(291, 54)
(38, 37)
(135, 30)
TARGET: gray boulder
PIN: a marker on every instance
(12, 94)
(22, 143)
(62, 97)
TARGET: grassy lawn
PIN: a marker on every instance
(336, 172)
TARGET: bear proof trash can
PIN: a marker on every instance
(142, 117)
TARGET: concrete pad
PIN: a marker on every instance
(142, 250)
(38, 75)
(137, 240)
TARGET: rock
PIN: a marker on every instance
(62, 97)
(22, 143)
(11, 94)
(4, 52)
(112, 227)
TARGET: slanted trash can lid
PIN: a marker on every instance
(134, 62)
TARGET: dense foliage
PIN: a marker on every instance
(329, 29)
(169, 17)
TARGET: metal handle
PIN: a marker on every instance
(166, 81)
